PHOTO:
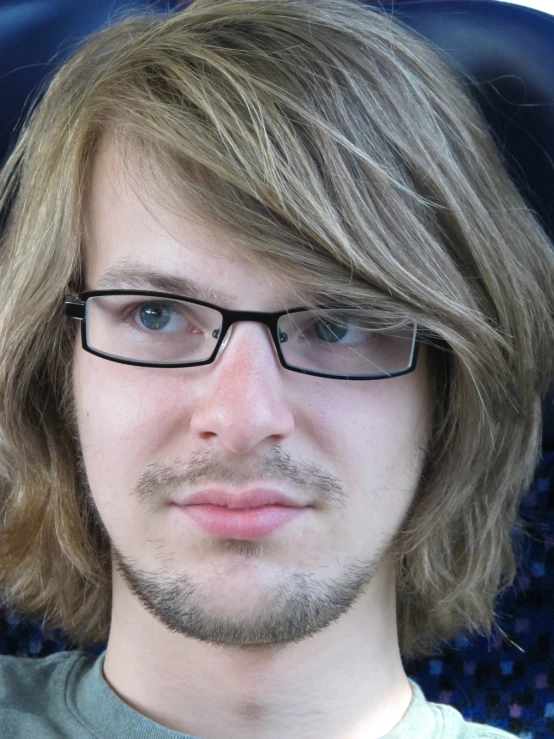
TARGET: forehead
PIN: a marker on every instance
(133, 240)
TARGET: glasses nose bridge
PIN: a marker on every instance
(269, 320)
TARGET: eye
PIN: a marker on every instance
(156, 316)
(333, 332)
(329, 331)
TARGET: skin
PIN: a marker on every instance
(294, 634)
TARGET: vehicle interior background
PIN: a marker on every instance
(506, 681)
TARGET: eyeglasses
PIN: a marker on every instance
(153, 329)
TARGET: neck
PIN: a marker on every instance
(345, 682)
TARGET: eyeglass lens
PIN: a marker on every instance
(334, 341)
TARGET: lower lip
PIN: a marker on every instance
(236, 523)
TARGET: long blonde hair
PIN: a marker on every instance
(328, 141)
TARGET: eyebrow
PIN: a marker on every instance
(132, 275)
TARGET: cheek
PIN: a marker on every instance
(125, 417)
(370, 422)
(374, 436)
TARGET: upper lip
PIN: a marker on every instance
(255, 498)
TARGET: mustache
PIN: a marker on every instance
(276, 465)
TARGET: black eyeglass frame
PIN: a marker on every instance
(75, 307)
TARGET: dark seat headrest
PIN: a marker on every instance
(509, 51)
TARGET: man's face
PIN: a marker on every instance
(351, 451)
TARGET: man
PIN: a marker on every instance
(268, 404)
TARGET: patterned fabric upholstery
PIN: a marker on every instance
(508, 681)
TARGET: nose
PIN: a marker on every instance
(243, 401)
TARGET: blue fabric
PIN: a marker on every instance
(506, 684)
(509, 685)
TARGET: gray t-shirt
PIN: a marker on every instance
(65, 696)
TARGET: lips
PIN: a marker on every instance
(248, 515)
(255, 498)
